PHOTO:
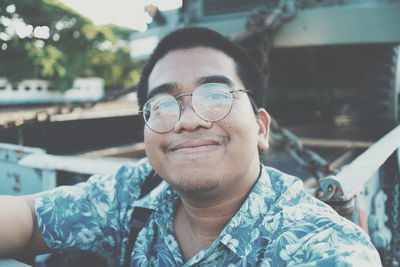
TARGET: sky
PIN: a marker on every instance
(127, 13)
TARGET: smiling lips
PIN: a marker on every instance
(197, 145)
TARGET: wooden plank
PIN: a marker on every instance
(71, 164)
(317, 142)
(343, 159)
(128, 151)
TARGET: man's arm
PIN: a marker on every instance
(19, 232)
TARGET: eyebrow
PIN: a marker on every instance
(214, 79)
(163, 88)
(173, 87)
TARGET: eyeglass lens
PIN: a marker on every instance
(211, 102)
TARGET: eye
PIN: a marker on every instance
(216, 96)
(167, 104)
(163, 105)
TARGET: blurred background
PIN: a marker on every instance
(68, 106)
(331, 67)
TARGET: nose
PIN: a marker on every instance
(189, 120)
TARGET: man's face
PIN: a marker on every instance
(200, 156)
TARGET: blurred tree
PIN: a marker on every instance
(46, 39)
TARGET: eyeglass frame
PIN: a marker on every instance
(181, 107)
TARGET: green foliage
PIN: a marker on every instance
(60, 44)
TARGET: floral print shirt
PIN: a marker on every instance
(279, 224)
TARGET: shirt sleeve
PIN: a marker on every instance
(92, 215)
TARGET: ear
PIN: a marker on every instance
(263, 120)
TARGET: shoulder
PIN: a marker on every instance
(130, 176)
(300, 208)
(304, 229)
(136, 170)
(92, 210)
(288, 189)
(107, 190)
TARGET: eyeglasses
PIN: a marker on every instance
(210, 101)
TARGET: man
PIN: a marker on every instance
(217, 206)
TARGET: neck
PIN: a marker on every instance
(197, 226)
(204, 215)
(201, 216)
(206, 222)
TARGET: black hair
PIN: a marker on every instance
(190, 37)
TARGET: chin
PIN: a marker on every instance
(192, 184)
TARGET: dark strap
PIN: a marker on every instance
(151, 182)
(140, 215)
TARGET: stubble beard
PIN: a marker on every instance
(194, 185)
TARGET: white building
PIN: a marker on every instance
(86, 89)
(41, 91)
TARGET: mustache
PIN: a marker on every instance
(194, 140)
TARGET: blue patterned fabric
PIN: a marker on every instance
(277, 225)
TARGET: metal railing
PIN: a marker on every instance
(352, 179)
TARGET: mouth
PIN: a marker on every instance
(190, 146)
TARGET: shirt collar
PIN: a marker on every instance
(240, 232)
(242, 229)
